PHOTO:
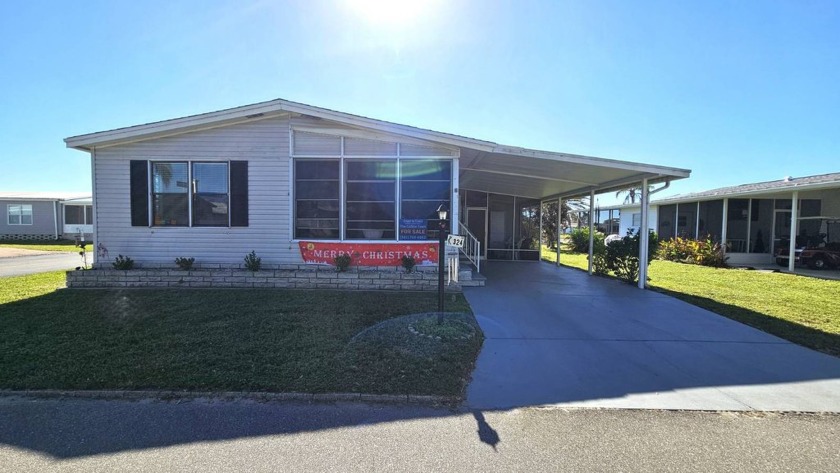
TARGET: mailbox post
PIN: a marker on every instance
(442, 231)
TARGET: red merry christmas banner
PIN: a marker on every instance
(368, 254)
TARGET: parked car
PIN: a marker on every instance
(820, 251)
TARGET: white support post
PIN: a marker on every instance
(749, 226)
(723, 227)
(644, 235)
(539, 257)
(794, 217)
(559, 221)
(677, 220)
(591, 229)
(697, 222)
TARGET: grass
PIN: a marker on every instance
(801, 309)
(45, 245)
(219, 340)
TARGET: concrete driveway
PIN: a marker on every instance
(556, 336)
(15, 262)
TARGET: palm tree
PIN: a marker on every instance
(633, 193)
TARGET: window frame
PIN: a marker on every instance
(342, 182)
(19, 214)
(190, 193)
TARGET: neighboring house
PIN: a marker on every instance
(753, 219)
(45, 216)
(300, 184)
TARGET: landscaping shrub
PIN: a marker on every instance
(408, 263)
(185, 263)
(622, 256)
(706, 252)
(342, 262)
(579, 239)
(252, 262)
(123, 263)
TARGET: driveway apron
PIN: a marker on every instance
(557, 336)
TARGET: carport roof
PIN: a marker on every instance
(484, 165)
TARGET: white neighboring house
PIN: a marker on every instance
(45, 216)
(753, 219)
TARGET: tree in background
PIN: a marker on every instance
(549, 216)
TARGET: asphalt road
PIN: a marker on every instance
(39, 263)
(204, 435)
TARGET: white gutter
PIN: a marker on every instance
(55, 217)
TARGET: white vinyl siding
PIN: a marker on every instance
(264, 144)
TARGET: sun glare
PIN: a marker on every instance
(386, 12)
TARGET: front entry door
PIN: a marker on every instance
(477, 224)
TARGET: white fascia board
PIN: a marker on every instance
(175, 126)
(593, 161)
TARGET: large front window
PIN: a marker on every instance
(369, 199)
(78, 215)
(20, 214)
(181, 189)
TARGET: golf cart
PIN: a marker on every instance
(818, 251)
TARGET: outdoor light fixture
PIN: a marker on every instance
(441, 211)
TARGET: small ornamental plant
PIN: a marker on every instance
(123, 263)
(82, 246)
(342, 262)
(408, 263)
(185, 263)
(253, 262)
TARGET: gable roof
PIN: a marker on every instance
(485, 165)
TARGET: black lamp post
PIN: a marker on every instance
(442, 211)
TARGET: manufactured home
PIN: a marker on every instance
(45, 216)
(299, 184)
(754, 220)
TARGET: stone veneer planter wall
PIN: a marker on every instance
(281, 276)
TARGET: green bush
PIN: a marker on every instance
(342, 262)
(408, 263)
(706, 252)
(579, 239)
(622, 256)
(123, 263)
(185, 263)
(252, 262)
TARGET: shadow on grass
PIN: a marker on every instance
(806, 336)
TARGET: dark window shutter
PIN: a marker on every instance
(239, 193)
(139, 193)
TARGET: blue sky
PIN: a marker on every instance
(737, 91)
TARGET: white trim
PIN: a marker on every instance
(749, 224)
(697, 223)
(724, 225)
(794, 215)
(95, 235)
(644, 235)
(55, 217)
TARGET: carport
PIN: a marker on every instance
(521, 176)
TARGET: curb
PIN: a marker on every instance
(235, 395)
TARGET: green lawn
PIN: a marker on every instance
(235, 339)
(45, 245)
(801, 309)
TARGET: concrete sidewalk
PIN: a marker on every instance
(556, 336)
